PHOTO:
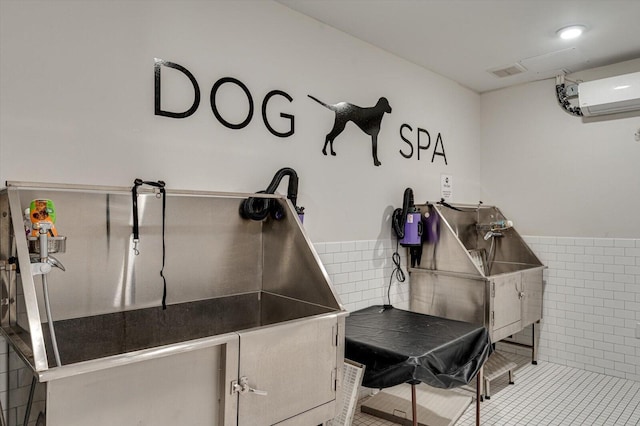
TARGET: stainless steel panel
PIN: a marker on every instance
(210, 251)
(532, 284)
(449, 297)
(462, 231)
(463, 224)
(506, 331)
(448, 253)
(292, 267)
(302, 362)
(37, 355)
(182, 389)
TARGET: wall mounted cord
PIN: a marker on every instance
(397, 272)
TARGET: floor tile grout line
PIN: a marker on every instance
(609, 385)
(602, 408)
(552, 402)
(620, 400)
(574, 380)
(589, 389)
(544, 395)
(636, 409)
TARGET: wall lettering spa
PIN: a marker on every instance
(289, 119)
(406, 132)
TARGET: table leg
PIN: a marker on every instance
(478, 386)
(535, 331)
(414, 408)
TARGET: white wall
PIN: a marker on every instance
(556, 174)
(78, 91)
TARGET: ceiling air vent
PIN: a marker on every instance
(508, 70)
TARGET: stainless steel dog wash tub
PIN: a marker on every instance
(475, 267)
(252, 333)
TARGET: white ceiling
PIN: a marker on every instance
(463, 39)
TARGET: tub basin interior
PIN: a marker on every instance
(98, 336)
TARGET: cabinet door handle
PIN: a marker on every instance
(258, 392)
(241, 386)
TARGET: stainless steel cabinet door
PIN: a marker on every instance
(507, 305)
(290, 369)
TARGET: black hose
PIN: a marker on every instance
(292, 189)
(255, 208)
(442, 202)
(258, 209)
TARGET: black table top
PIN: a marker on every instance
(399, 346)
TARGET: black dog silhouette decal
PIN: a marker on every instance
(367, 119)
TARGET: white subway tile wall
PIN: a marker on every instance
(591, 306)
(361, 271)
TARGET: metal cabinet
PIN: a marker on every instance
(301, 376)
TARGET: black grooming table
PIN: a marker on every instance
(399, 346)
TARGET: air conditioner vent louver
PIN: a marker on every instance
(508, 71)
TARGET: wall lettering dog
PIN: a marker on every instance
(367, 119)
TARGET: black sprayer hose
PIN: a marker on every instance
(292, 189)
(255, 208)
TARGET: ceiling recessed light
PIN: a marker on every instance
(571, 32)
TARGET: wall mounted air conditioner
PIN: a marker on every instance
(610, 95)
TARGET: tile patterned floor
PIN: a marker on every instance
(551, 394)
